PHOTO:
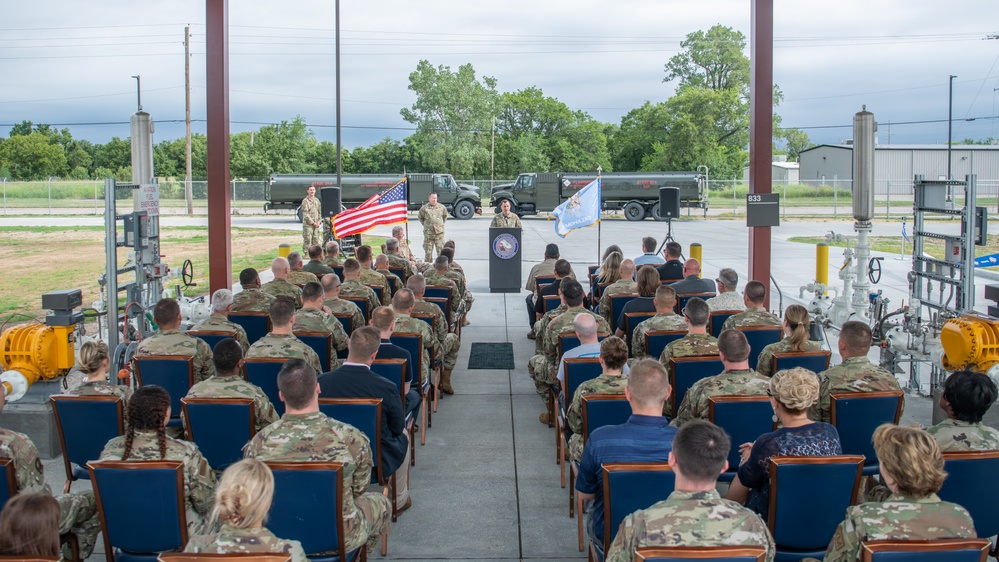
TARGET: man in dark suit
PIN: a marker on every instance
(383, 319)
(562, 269)
(355, 380)
(692, 282)
(672, 270)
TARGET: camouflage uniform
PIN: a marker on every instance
(406, 324)
(506, 221)
(658, 322)
(389, 276)
(234, 540)
(340, 306)
(77, 512)
(957, 435)
(405, 251)
(753, 316)
(236, 387)
(455, 274)
(316, 320)
(172, 342)
(691, 345)
(283, 288)
(396, 260)
(855, 374)
(729, 383)
(898, 518)
(199, 480)
(317, 267)
(433, 217)
(542, 367)
(372, 277)
(543, 269)
(619, 286)
(219, 323)
(301, 277)
(765, 363)
(314, 437)
(726, 301)
(332, 261)
(284, 346)
(252, 300)
(604, 384)
(355, 288)
(690, 519)
(312, 212)
(437, 280)
(102, 388)
(449, 342)
(542, 325)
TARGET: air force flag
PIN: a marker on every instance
(580, 210)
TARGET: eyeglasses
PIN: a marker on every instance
(770, 394)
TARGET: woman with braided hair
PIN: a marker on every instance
(242, 501)
(796, 334)
(145, 439)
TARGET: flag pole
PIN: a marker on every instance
(600, 205)
(407, 210)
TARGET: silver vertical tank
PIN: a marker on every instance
(863, 165)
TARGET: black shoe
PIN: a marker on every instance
(530, 335)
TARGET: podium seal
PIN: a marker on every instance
(505, 246)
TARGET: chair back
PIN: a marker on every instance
(428, 318)
(10, 490)
(85, 425)
(321, 343)
(717, 318)
(682, 298)
(793, 492)
(592, 269)
(263, 372)
(413, 343)
(362, 303)
(346, 321)
(685, 371)
(631, 321)
(152, 521)
(438, 292)
(220, 427)
(442, 303)
(966, 471)
(857, 414)
(228, 557)
(174, 373)
(631, 486)
(702, 553)
(395, 283)
(604, 409)
(366, 415)
(338, 271)
(569, 340)
(540, 281)
(657, 340)
(552, 302)
(758, 338)
(599, 289)
(577, 371)
(378, 289)
(395, 371)
(617, 303)
(211, 337)
(308, 505)
(744, 418)
(399, 272)
(941, 550)
(255, 324)
(814, 361)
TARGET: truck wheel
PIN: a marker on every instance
(634, 211)
(656, 215)
(298, 212)
(464, 210)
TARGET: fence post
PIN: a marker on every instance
(4, 195)
(888, 203)
(835, 196)
(783, 207)
(50, 195)
(233, 190)
(733, 197)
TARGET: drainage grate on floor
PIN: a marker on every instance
(491, 356)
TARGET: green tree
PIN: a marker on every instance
(450, 109)
(322, 159)
(32, 157)
(112, 156)
(711, 59)
(640, 129)
(795, 140)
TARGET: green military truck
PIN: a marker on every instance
(286, 191)
(634, 193)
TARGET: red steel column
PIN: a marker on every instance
(217, 74)
(761, 125)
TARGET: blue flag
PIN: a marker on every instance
(987, 261)
(578, 211)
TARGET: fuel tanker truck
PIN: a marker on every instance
(286, 191)
(634, 193)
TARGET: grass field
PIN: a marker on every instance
(893, 245)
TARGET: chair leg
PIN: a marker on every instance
(65, 489)
(579, 521)
(437, 388)
(392, 496)
(385, 544)
(423, 419)
(572, 485)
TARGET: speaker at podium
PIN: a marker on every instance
(505, 257)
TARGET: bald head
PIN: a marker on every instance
(586, 328)
(280, 268)
(627, 269)
(331, 286)
(691, 267)
(382, 261)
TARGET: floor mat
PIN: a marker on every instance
(491, 356)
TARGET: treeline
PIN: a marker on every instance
(466, 127)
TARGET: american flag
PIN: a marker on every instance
(387, 207)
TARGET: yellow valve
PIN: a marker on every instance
(37, 351)
(971, 341)
(822, 264)
(284, 250)
(696, 251)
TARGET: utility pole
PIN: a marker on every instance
(492, 156)
(188, 194)
(950, 133)
(339, 149)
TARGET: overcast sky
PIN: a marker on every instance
(71, 62)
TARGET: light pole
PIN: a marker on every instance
(339, 149)
(492, 155)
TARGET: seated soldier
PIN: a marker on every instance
(332, 258)
(397, 260)
(645, 437)
(170, 341)
(448, 340)
(626, 284)
(402, 307)
(280, 286)
(219, 319)
(228, 382)
(562, 269)
(454, 265)
(383, 320)
(356, 380)
(304, 434)
(585, 326)
(316, 265)
(456, 274)
(312, 318)
(648, 284)
(665, 319)
(93, 361)
(966, 397)
(697, 342)
(439, 278)
(754, 295)
(336, 305)
(613, 357)
(855, 374)
(146, 440)
(692, 282)
(736, 379)
(297, 276)
(399, 233)
(353, 287)
(543, 269)
(382, 267)
(693, 514)
(728, 298)
(796, 334)
(281, 342)
(251, 298)
(369, 276)
(77, 511)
